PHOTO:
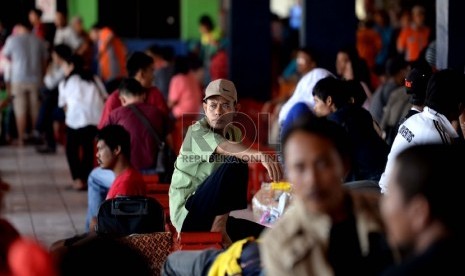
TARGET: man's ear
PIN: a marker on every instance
(122, 99)
(204, 105)
(238, 107)
(117, 150)
(419, 212)
(329, 101)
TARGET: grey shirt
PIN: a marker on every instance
(28, 54)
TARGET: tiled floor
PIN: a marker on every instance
(40, 204)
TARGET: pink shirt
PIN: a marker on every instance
(185, 93)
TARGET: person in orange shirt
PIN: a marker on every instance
(414, 38)
(369, 42)
(111, 54)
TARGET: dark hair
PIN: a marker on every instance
(130, 86)
(356, 90)
(359, 66)
(165, 52)
(333, 87)
(138, 61)
(182, 64)
(207, 21)
(97, 26)
(432, 171)
(37, 11)
(64, 13)
(63, 51)
(25, 23)
(384, 15)
(395, 64)
(445, 92)
(78, 62)
(310, 52)
(322, 127)
(98, 256)
(114, 136)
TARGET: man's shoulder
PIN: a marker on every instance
(129, 174)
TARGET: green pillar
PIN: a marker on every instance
(87, 9)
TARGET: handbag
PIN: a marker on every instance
(165, 156)
(125, 215)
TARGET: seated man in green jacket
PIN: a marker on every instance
(211, 173)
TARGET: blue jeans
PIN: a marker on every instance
(98, 184)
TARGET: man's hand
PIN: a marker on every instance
(273, 167)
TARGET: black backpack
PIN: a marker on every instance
(122, 216)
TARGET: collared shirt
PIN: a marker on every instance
(196, 161)
(428, 126)
(299, 242)
(83, 100)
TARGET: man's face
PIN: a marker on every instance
(304, 62)
(105, 156)
(60, 20)
(33, 18)
(321, 108)
(342, 62)
(93, 34)
(316, 170)
(397, 215)
(219, 111)
(146, 76)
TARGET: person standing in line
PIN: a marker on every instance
(28, 56)
(81, 94)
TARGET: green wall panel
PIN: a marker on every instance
(87, 9)
(191, 10)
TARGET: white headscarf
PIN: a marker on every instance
(303, 91)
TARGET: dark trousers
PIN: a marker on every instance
(45, 118)
(223, 191)
(80, 151)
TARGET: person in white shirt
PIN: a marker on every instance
(64, 33)
(81, 94)
(303, 91)
(445, 101)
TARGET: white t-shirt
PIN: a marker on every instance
(426, 127)
(84, 101)
(68, 36)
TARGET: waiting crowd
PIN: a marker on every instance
(371, 151)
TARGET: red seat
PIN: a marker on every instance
(158, 191)
(195, 240)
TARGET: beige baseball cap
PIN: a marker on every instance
(221, 87)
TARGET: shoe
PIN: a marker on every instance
(79, 185)
(33, 141)
(46, 150)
